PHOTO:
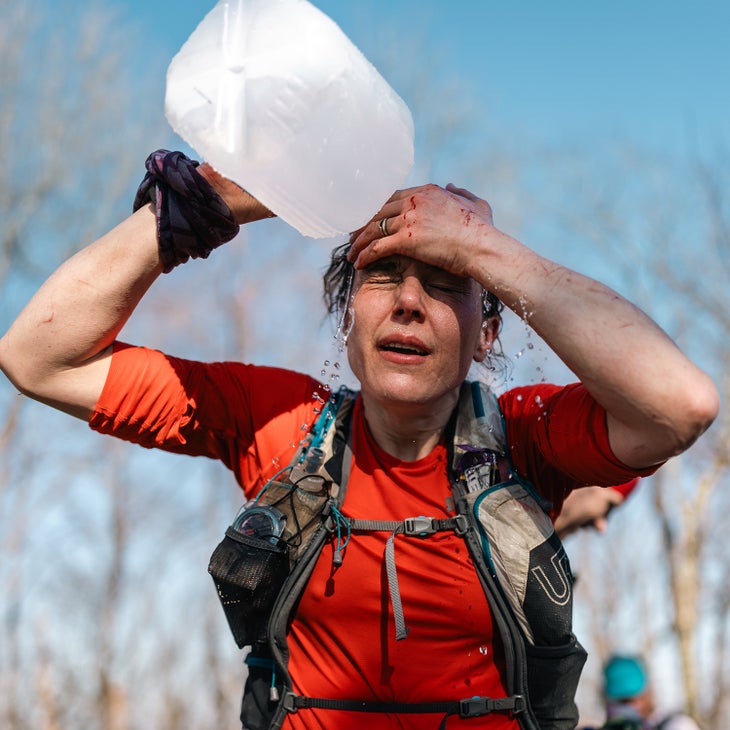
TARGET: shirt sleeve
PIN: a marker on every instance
(627, 488)
(558, 439)
(228, 411)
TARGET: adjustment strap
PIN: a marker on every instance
(410, 527)
(470, 707)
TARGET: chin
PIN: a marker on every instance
(411, 391)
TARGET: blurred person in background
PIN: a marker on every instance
(629, 699)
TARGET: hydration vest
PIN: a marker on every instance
(266, 558)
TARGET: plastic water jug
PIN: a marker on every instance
(276, 97)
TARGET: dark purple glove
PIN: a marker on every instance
(192, 219)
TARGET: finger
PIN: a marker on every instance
(408, 192)
(386, 221)
(463, 192)
(368, 246)
(480, 203)
(614, 496)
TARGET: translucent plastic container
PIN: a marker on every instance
(276, 97)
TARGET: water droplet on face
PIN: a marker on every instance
(304, 427)
(519, 397)
(276, 461)
(484, 650)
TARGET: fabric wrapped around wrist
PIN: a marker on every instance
(192, 219)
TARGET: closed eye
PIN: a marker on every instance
(455, 285)
(383, 272)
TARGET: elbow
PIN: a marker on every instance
(19, 368)
(8, 364)
(700, 406)
(669, 427)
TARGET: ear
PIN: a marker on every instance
(487, 334)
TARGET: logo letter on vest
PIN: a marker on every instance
(556, 583)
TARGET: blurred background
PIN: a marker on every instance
(599, 134)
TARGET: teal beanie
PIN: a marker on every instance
(624, 677)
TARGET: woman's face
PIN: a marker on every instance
(416, 330)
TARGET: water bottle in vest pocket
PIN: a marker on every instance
(248, 568)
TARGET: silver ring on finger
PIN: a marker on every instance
(383, 225)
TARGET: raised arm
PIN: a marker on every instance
(59, 348)
(657, 401)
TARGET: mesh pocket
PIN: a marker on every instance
(552, 677)
(248, 573)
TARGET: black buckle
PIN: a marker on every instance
(477, 706)
(520, 704)
(461, 525)
(418, 526)
(473, 706)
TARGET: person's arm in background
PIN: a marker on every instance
(59, 348)
(590, 507)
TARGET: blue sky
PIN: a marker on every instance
(655, 70)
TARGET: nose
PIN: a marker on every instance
(409, 299)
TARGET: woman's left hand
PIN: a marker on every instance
(439, 226)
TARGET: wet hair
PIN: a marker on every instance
(337, 283)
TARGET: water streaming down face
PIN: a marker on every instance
(330, 372)
(347, 316)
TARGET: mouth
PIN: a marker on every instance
(406, 347)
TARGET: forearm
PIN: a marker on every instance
(658, 402)
(58, 349)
